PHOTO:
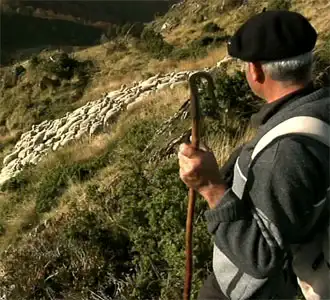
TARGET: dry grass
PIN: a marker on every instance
(317, 11)
(124, 68)
(23, 217)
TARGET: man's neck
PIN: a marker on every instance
(279, 91)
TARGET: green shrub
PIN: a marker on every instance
(15, 183)
(279, 4)
(235, 100)
(85, 257)
(211, 28)
(61, 65)
(153, 209)
(153, 42)
(35, 61)
(198, 48)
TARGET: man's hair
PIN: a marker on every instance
(294, 69)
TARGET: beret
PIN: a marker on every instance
(272, 35)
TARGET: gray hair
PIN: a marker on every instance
(293, 69)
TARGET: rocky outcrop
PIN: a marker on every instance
(90, 119)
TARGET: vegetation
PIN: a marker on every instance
(48, 88)
(106, 222)
(124, 239)
(279, 4)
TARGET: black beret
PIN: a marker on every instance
(272, 35)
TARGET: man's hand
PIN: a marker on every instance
(199, 170)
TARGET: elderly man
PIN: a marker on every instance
(253, 229)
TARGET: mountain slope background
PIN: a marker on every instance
(99, 219)
(40, 24)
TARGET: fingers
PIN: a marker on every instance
(202, 146)
(187, 150)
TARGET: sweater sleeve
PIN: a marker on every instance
(282, 186)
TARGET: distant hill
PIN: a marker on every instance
(35, 24)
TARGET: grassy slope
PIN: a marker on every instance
(76, 206)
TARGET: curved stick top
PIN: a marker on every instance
(195, 107)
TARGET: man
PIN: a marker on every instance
(252, 231)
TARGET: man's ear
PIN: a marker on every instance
(257, 72)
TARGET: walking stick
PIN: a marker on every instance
(196, 116)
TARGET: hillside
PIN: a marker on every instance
(30, 26)
(96, 210)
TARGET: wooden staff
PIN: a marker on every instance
(195, 140)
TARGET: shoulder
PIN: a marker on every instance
(293, 154)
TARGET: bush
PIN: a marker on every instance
(54, 183)
(15, 183)
(78, 258)
(279, 4)
(211, 28)
(153, 42)
(61, 65)
(153, 208)
(321, 69)
(198, 48)
(119, 30)
(35, 61)
(235, 101)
